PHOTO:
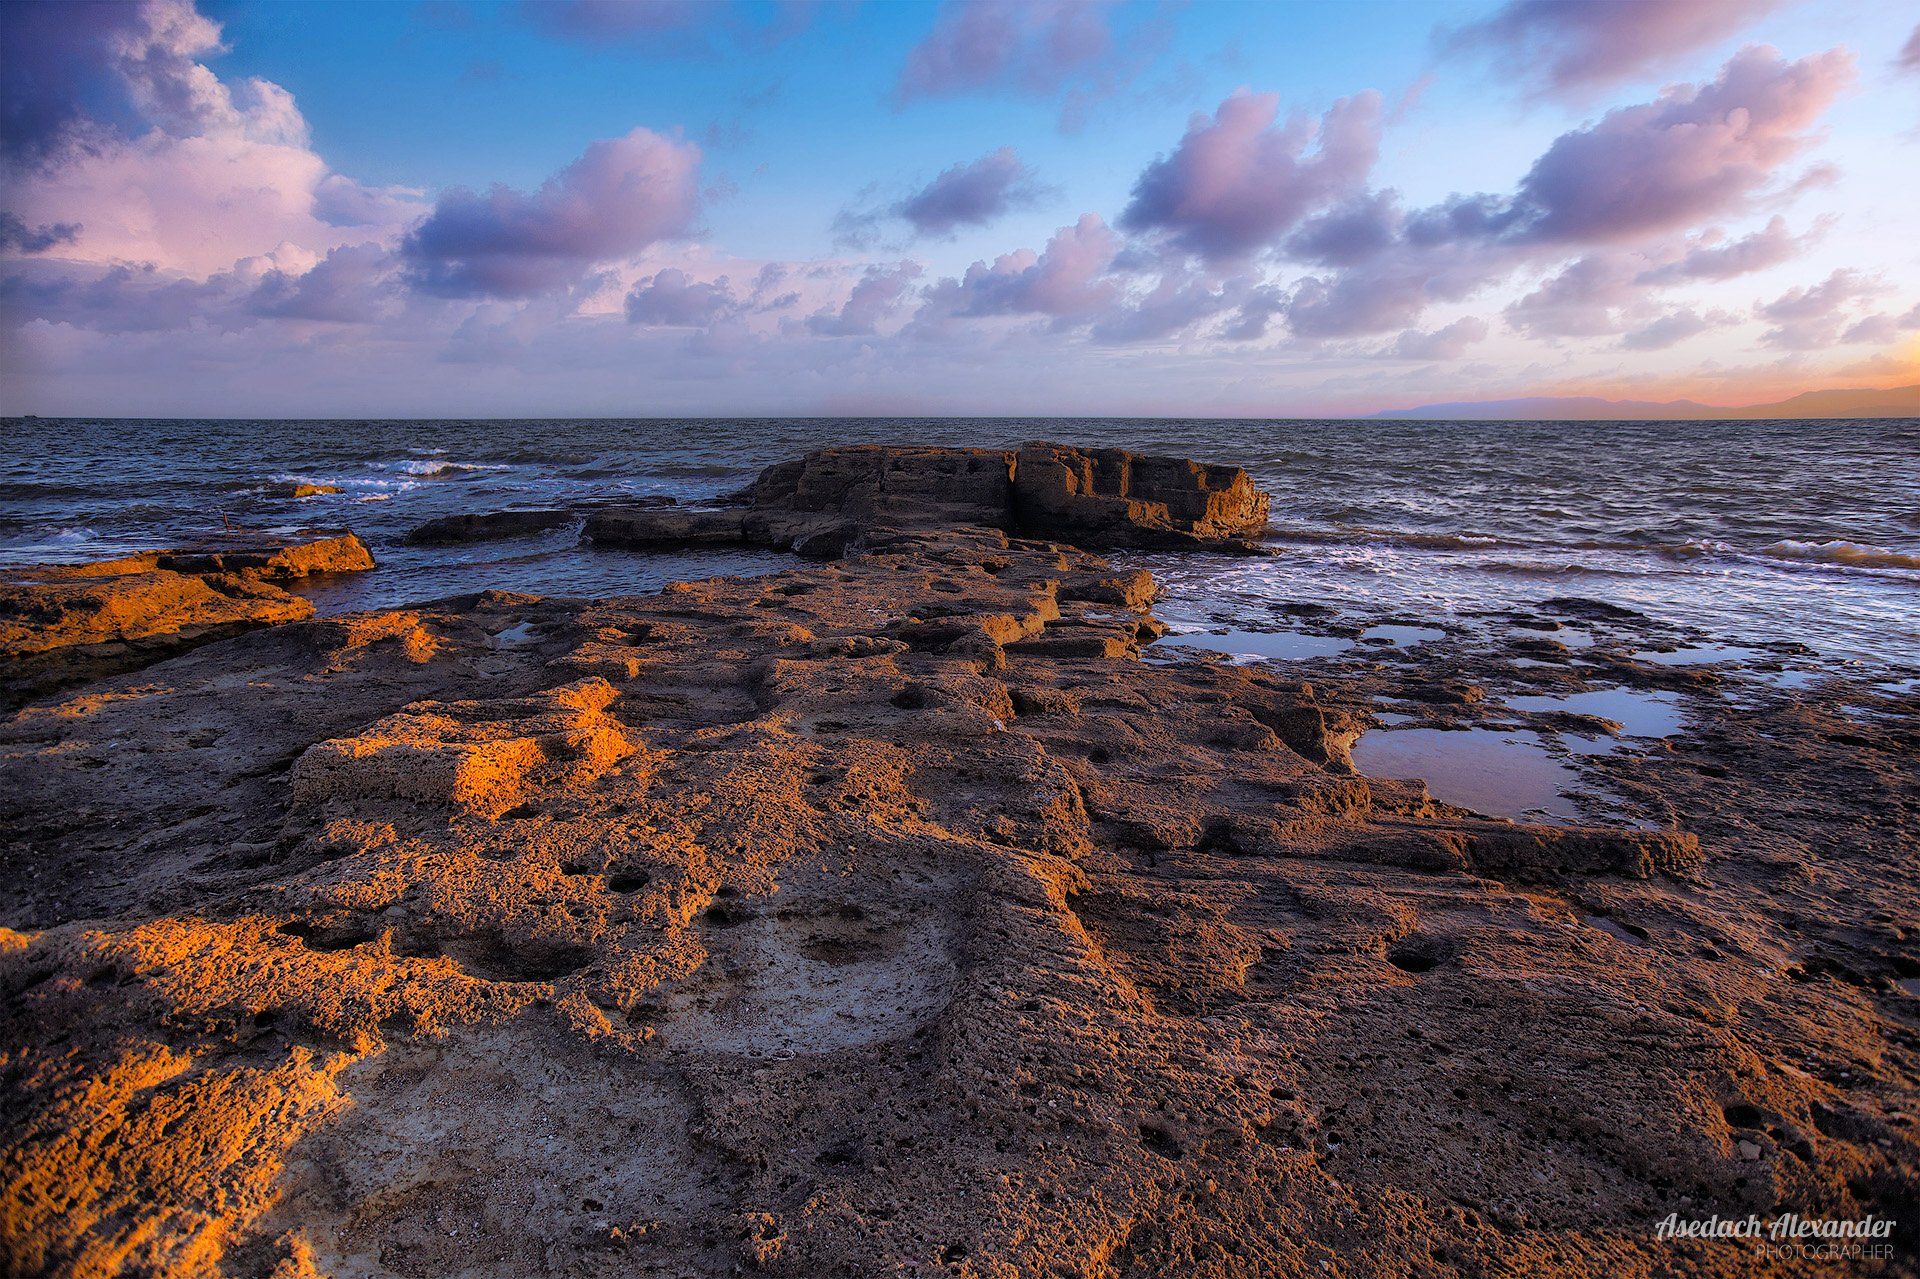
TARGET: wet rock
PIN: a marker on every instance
(653, 529)
(488, 525)
(828, 500)
(297, 489)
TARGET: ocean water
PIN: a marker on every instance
(1759, 533)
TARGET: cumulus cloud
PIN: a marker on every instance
(1447, 343)
(1174, 305)
(622, 195)
(672, 297)
(353, 284)
(970, 194)
(1694, 153)
(1032, 46)
(1709, 259)
(1810, 318)
(1581, 299)
(1349, 234)
(879, 293)
(1608, 195)
(17, 237)
(1239, 181)
(1881, 329)
(1675, 327)
(1067, 280)
(175, 166)
(1574, 47)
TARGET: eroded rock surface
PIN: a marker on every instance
(821, 504)
(65, 623)
(886, 916)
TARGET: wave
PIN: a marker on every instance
(1845, 554)
(1526, 568)
(1420, 541)
(440, 466)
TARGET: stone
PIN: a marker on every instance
(63, 623)
(832, 500)
(487, 525)
(644, 529)
(730, 929)
(298, 489)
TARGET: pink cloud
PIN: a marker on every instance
(1068, 280)
(1675, 327)
(1810, 318)
(1692, 154)
(1034, 46)
(1449, 342)
(1573, 47)
(878, 293)
(1581, 300)
(1709, 260)
(970, 194)
(622, 195)
(672, 297)
(1238, 182)
(210, 172)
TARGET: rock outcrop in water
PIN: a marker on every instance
(886, 916)
(821, 504)
(484, 526)
(65, 623)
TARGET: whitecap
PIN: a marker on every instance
(1845, 554)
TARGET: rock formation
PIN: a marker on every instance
(821, 504)
(66, 623)
(490, 524)
(886, 916)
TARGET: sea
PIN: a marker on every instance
(1803, 536)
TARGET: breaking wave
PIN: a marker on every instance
(1846, 554)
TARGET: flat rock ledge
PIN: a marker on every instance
(885, 916)
(61, 624)
(821, 505)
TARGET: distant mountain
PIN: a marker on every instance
(1896, 401)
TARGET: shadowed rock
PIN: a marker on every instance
(485, 526)
(830, 500)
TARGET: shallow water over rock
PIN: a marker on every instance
(1639, 712)
(1499, 772)
(1253, 645)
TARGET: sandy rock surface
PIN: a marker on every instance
(888, 916)
(62, 624)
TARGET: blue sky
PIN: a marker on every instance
(767, 131)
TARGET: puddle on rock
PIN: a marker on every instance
(1403, 636)
(1500, 772)
(1639, 713)
(1254, 645)
(1698, 655)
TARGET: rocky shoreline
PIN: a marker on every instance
(895, 915)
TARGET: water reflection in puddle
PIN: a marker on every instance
(1698, 655)
(1639, 713)
(1403, 636)
(1503, 773)
(1249, 645)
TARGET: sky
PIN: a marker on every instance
(1052, 207)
